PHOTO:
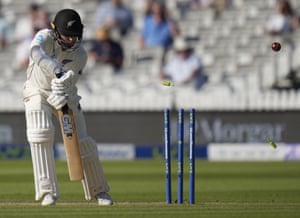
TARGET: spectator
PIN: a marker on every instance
(36, 19)
(280, 26)
(116, 15)
(6, 30)
(185, 66)
(158, 28)
(283, 21)
(105, 50)
(147, 7)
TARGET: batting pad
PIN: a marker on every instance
(45, 179)
(94, 180)
(39, 126)
(40, 134)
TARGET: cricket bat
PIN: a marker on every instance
(70, 139)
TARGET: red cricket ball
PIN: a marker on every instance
(276, 46)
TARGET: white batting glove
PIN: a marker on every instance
(57, 101)
(64, 84)
(59, 88)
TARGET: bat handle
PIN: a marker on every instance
(65, 109)
(60, 74)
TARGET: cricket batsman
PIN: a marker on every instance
(58, 51)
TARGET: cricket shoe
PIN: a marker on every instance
(104, 199)
(48, 199)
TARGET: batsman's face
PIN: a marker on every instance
(69, 41)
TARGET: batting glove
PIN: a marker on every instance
(64, 84)
(57, 101)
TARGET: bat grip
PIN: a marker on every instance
(65, 109)
(60, 74)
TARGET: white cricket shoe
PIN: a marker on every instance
(104, 199)
(48, 199)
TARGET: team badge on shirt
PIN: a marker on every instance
(40, 38)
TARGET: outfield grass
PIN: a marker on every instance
(223, 189)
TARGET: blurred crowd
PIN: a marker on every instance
(113, 20)
(284, 21)
(21, 32)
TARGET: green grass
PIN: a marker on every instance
(223, 189)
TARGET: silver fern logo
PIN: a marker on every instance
(70, 23)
